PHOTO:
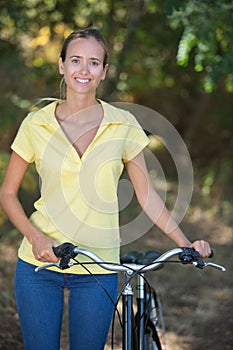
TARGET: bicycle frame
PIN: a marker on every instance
(141, 310)
(128, 315)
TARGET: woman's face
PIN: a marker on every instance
(83, 67)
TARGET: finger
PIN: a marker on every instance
(203, 248)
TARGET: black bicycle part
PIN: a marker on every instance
(190, 255)
(65, 252)
(151, 332)
(131, 257)
(211, 254)
(145, 258)
(128, 326)
(155, 338)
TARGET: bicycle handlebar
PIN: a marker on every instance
(67, 251)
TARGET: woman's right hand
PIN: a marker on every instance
(42, 248)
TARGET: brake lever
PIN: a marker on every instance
(45, 266)
(62, 265)
(220, 267)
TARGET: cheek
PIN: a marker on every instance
(68, 71)
(102, 75)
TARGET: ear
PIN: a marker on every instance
(60, 66)
(105, 72)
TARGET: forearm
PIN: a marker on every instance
(167, 224)
(155, 208)
(14, 210)
(41, 244)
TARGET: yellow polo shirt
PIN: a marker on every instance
(78, 196)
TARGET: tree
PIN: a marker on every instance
(207, 38)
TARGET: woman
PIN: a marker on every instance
(80, 146)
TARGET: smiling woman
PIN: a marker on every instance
(80, 146)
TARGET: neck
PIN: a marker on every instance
(84, 107)
(76, 103)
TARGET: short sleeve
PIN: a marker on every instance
(22, 143)
(136, 140)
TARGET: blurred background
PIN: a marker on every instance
(173, 56)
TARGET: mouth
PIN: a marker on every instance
(82, 81)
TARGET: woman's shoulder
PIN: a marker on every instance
(43, 114)
(118, 112)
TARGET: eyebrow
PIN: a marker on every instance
(91, 58)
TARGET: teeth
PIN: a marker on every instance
(82, 81)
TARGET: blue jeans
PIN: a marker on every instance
(40, 298)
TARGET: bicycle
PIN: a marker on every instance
(140, 331)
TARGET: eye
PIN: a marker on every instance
(75, 60)
(94, 63)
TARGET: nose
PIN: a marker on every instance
(84, 67)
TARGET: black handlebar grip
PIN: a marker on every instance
(211, 254)
(57, 251)
(65, 249)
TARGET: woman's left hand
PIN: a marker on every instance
(202, 247)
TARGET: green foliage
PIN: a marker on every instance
(143, 46)
(207, 38)
(216, 187)
(32, 32)
(208, 180)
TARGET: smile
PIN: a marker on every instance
(82, 81)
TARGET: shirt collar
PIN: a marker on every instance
(46, 115)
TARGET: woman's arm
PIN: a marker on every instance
(155, 208)
(41, 245)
